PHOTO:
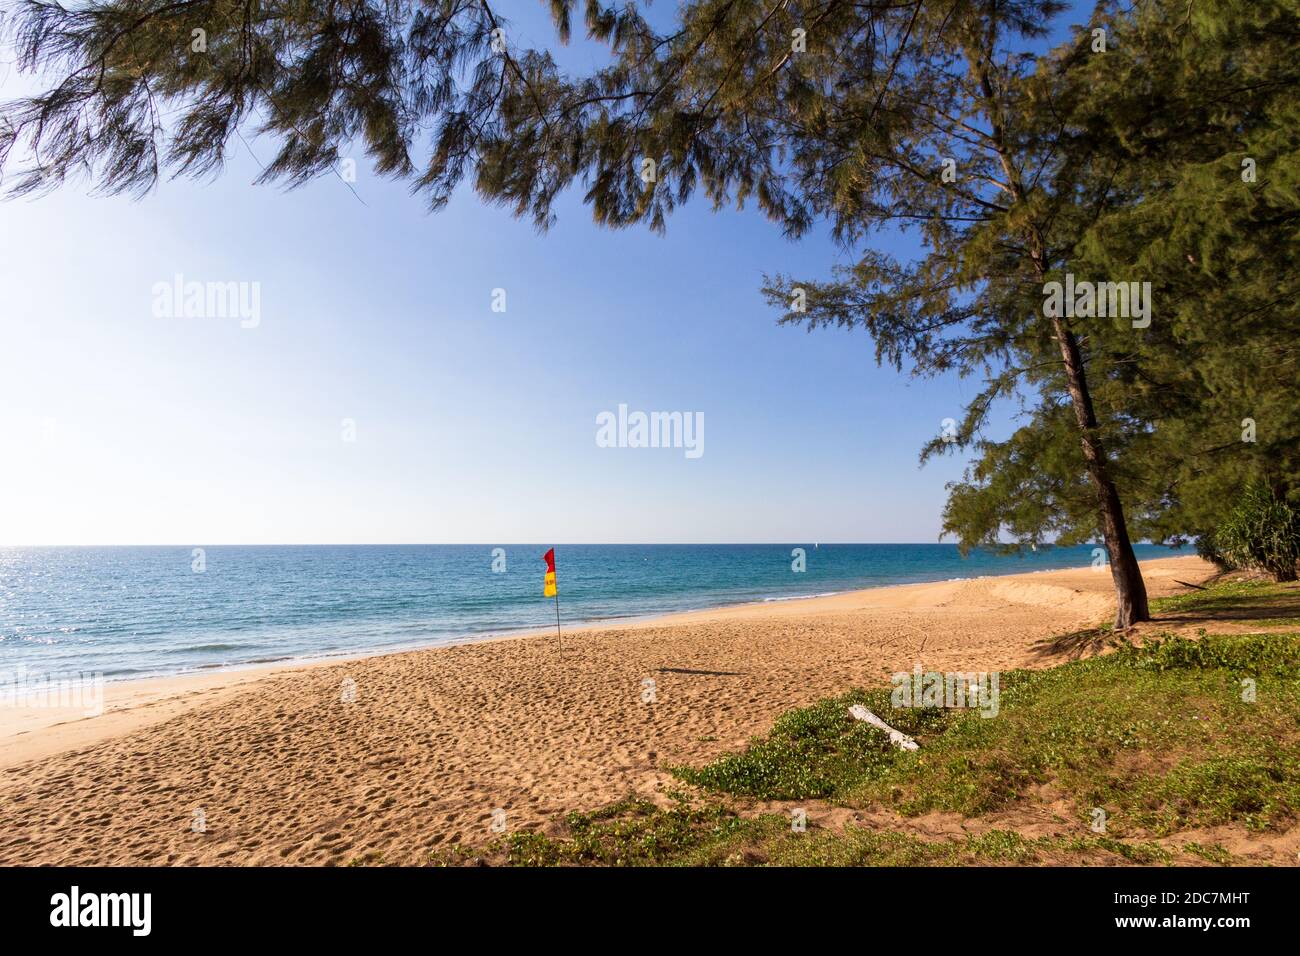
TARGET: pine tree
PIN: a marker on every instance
(1004, 181)
(1201, 116)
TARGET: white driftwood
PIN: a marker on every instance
(896, 737)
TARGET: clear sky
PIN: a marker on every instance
(121, 427)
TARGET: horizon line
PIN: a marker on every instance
(560, 544)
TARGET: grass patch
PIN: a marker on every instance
(628, 833)
(1160, 736)
(1259, 603)
(618, 837)
(816, 751)
(1212, 853)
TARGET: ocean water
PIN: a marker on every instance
(127, 612)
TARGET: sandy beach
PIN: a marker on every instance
(283, 770)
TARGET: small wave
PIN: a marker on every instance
(192, 648)
(235, 665)
(802, 597)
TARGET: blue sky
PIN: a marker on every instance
(470, 425)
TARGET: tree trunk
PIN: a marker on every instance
(1130, 590)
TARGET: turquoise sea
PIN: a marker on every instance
(142, 611)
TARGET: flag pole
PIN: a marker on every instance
(557, 616)
(553, 586)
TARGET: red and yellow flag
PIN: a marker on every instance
(548, 590)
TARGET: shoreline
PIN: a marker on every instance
(653, 618)
(373, 641)
(288, 770)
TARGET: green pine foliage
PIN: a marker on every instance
(1200, 111)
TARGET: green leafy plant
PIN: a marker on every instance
(1263, 532)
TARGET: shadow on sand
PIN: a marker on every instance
(1268, 608)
